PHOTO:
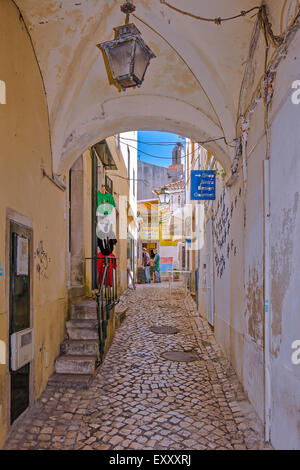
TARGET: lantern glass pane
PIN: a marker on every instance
(162, 198)
(120, 56)
(141, 61)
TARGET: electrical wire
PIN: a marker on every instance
(217, 21)
(170, 157)
(267, 27)
(175, 143)
(153, 143)
(156, 156)
(147, 183)
(131, 179)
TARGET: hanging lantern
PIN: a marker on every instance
(164, 196)
(128, 56)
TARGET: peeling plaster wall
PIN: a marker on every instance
(253, 304)
(284, 119)
(243, 337)
(285, 253)
(238, 261)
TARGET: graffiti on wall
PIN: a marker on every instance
(43, 261)
(224, 245)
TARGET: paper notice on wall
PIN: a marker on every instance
(22, 257)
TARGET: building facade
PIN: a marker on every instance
(149, 177)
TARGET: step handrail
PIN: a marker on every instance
(107, 298)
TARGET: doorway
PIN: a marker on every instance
(94, 251)
(76, 237)
(19, 312)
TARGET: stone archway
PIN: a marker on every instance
(144, 114)
(191, 87)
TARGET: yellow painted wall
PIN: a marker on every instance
(25, 148)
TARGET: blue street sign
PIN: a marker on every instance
(203, 185)
(1, 271)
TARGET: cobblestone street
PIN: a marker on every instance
(139, 400)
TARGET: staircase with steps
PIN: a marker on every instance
(79, 356)
(77, 362)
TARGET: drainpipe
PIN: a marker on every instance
(267, 364)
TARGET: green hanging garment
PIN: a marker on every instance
(106, 203)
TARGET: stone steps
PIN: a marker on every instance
(72, 380)
(82, 329)
(88, 347)
(76, 364)
(72, 364)
(82, 333)
(92, 323)
(84, 310)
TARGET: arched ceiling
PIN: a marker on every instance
(192, 86)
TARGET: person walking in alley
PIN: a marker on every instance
(146, 263)
(156, 265)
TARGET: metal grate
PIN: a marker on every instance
(164, 330)
(180, 356)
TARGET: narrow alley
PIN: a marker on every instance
(139, 399)
(145, 143)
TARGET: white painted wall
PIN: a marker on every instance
(239, 301)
